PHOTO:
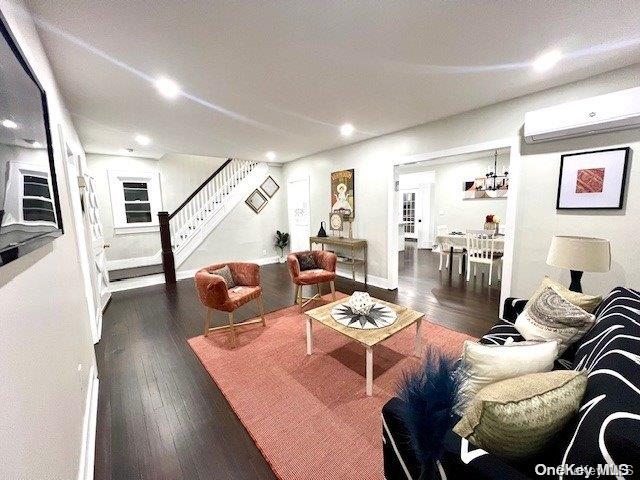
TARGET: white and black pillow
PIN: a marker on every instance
(551, 317)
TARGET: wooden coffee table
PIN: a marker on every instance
(367, 338)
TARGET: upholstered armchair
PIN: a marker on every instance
(321, 270)
(215, 294)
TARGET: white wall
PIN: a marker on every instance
(179, 177)
(244, 235)
(121, 246)
(371, 160)
(45, 332)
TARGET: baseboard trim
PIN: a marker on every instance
(372, 280)
(134, 262)
(88, 447)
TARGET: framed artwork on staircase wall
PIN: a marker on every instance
(256, 201)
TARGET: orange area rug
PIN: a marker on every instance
(309, 415)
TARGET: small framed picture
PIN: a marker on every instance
(593, 180)
(269, 186)
(257, 201)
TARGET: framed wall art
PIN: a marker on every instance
(257, 201)
(342, 192)
(269, 186)
(593, 180)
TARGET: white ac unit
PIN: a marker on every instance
(612, 111)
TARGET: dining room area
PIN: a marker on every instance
(451, 229)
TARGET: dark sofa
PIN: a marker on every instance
(604, 434)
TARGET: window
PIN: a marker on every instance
(135, 201)
(36, 199)
(137, 207)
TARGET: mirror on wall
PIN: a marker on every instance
(29, 203)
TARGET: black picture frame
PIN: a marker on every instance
(623, 184)
(18, 249)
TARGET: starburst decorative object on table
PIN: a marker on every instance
(379, 316)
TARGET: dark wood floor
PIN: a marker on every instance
(160, 416)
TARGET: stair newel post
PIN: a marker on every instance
(168, 263)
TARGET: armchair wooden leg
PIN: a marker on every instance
(261, 306)
(318, 289)
(207, 320)
(233, 330)
(297, 294)
(333, 289)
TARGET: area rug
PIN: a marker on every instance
(309, 415)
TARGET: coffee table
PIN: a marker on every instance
(367, 338)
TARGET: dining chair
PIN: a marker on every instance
(481, 250)
(446, 247)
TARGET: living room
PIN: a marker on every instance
(202, 240)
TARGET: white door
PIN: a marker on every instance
(299, 215)
(416, 213)
(93, 227)
(409, 204)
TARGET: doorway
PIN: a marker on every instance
(458, 208)
(298, 213)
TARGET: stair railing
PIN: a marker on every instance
(177, 228)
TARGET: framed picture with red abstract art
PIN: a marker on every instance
(593, 180)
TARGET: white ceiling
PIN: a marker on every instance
(283, 75)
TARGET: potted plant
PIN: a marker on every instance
(282, 241)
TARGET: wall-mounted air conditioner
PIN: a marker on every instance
(613, 111)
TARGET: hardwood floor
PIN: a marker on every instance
(160, 416)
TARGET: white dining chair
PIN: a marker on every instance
(481, 250)
(445, 249)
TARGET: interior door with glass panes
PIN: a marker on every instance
(409, 198)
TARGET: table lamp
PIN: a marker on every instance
(579, 254)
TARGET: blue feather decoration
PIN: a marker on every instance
(429, 396)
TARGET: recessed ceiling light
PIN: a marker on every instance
(270, 155)
(547, 60)
(143, 140)
(346, 130)
(167, 87)
(6, 123)
(36, 145)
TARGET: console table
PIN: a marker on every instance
(353, 245)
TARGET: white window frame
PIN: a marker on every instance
(116, 192)
(14, 211)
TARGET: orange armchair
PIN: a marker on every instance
(325, 273)
(215, 295)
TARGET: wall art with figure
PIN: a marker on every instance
(342, 192)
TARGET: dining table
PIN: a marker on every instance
(460, 240)
(453, 240)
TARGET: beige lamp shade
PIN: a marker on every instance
(582, 254)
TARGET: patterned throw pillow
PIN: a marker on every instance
(517, 417)
(586, 302)
(306, 261)
(225, 273)
(551, 317)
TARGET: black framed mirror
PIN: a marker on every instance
(29, 203)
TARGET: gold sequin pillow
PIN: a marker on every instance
(515, 418)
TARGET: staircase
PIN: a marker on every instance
(182, 231)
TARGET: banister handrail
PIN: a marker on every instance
(197, 190)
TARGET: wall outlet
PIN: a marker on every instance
(264, 253)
